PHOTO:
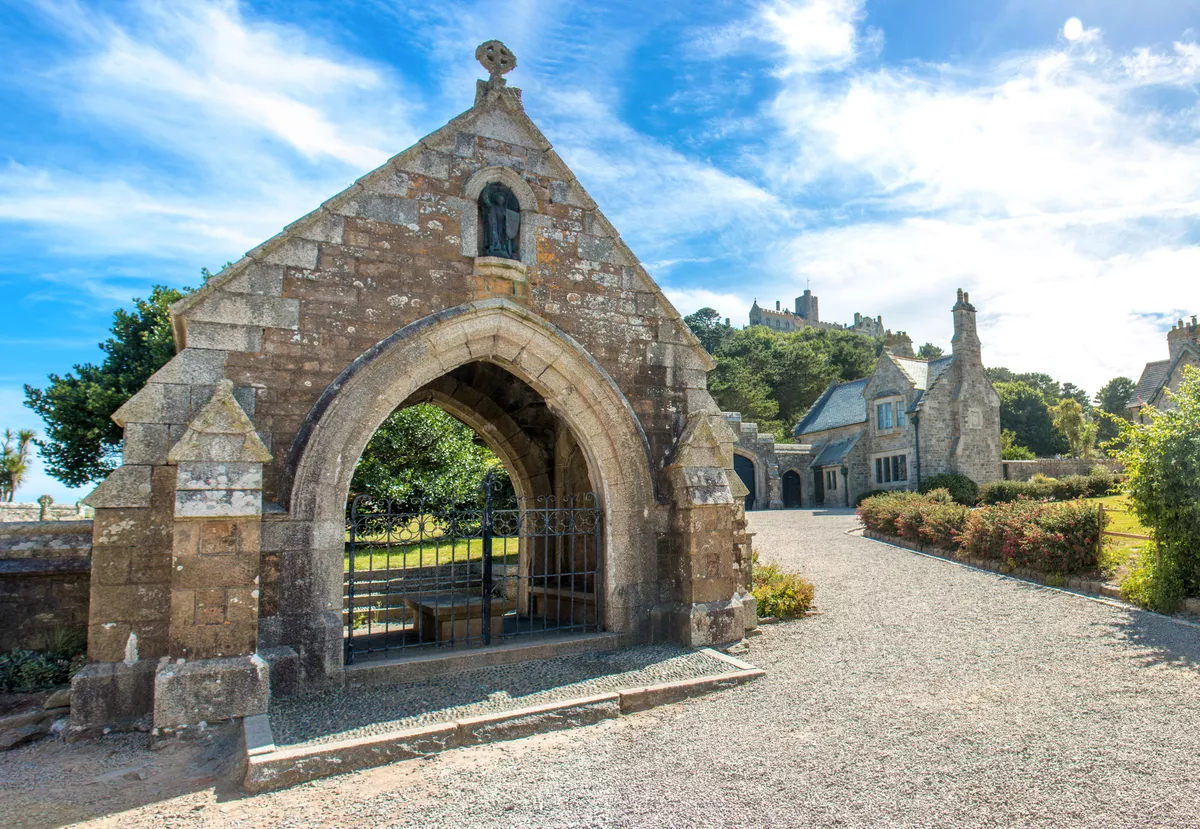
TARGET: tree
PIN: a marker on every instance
(82, 442)
(1044, 383)
(1112, 398)
(851, 354)
(929, 351)
(706, 324)
(14, 461)
(1024, 412)
(1162, 469)
(1069, 420)
(1072, 391)
(421, 457)
(1010, 450)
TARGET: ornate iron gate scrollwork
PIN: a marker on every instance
(469, 577)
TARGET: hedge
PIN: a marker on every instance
(961, 488)
(1047, 536)
(1097, 483)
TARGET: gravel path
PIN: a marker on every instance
(926, 694)
(342, 715)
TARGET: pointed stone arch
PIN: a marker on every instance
(574, 386)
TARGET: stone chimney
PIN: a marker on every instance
(1181, 335)
(965, 342)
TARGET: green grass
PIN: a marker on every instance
(430, 553)
(1119, 555)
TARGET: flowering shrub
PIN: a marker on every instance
(1050, 537)
(780, 593)
(1046, 536)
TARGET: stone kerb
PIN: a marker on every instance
(574, 387)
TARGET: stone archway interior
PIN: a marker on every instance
(791, 489)
(744, 467)
(414, 579)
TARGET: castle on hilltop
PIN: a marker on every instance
(807, 315)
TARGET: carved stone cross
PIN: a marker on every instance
(496, 58)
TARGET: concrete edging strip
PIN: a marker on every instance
(269, 768)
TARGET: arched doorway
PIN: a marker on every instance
(441, 551)
(744, 467)
(419, 362)
(791, 489)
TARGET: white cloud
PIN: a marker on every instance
(816, 35)
(1055, 185)
(690, 300)
(259, 123)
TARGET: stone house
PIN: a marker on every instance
(471, 271)
(1183, 349)
(909, 420)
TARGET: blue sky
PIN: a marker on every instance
(1043, 155)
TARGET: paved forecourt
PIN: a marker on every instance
(925, 694)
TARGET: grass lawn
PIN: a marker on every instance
(430, 553)
(1119, 553)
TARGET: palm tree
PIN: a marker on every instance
(14, 461)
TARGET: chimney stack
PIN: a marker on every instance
(966, 339)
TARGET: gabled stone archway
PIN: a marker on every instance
(574, 386)
(216, 542)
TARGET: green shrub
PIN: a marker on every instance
(1070, 488)
(1049, 537)
(22, 671)
(862, 496)
(933, 518)
(1102, 481)
(1162, 468)
(962, 489)
(780, 593)
(1002, 492)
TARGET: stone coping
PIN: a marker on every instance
(1078, 584)
(270, 766)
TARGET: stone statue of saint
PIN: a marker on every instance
(499, 222)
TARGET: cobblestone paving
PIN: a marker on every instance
(342, 715)
(925, 695)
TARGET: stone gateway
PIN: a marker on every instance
(471, 271)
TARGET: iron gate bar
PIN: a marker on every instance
(458, 599)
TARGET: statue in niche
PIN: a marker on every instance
(499, 222)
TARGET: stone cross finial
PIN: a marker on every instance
(496, 59)
(44, 502)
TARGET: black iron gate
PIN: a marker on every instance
(417, 578)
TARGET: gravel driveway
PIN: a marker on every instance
(925, 694)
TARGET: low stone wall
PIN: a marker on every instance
(10, 513)
(1055, 467)
(45, 579)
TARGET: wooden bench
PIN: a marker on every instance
(563, 606)
(454, 615)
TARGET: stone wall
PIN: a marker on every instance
(45, 569)
(44, 512)
(1055, 467)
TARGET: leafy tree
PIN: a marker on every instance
(1073, 392)
(1050, 388)
(82, 442)
(423, 457)
(1024, 412)
(1069, 420)
(851, 355)
(1112, 398)
(1010, 450)
(1162, 468)
(929, 351)
(706, 324)
(14, 461)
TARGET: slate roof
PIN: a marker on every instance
(840, 405)
(922, 373)
(835, 451)
(1153, 376)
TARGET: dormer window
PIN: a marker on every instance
(889, 415)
